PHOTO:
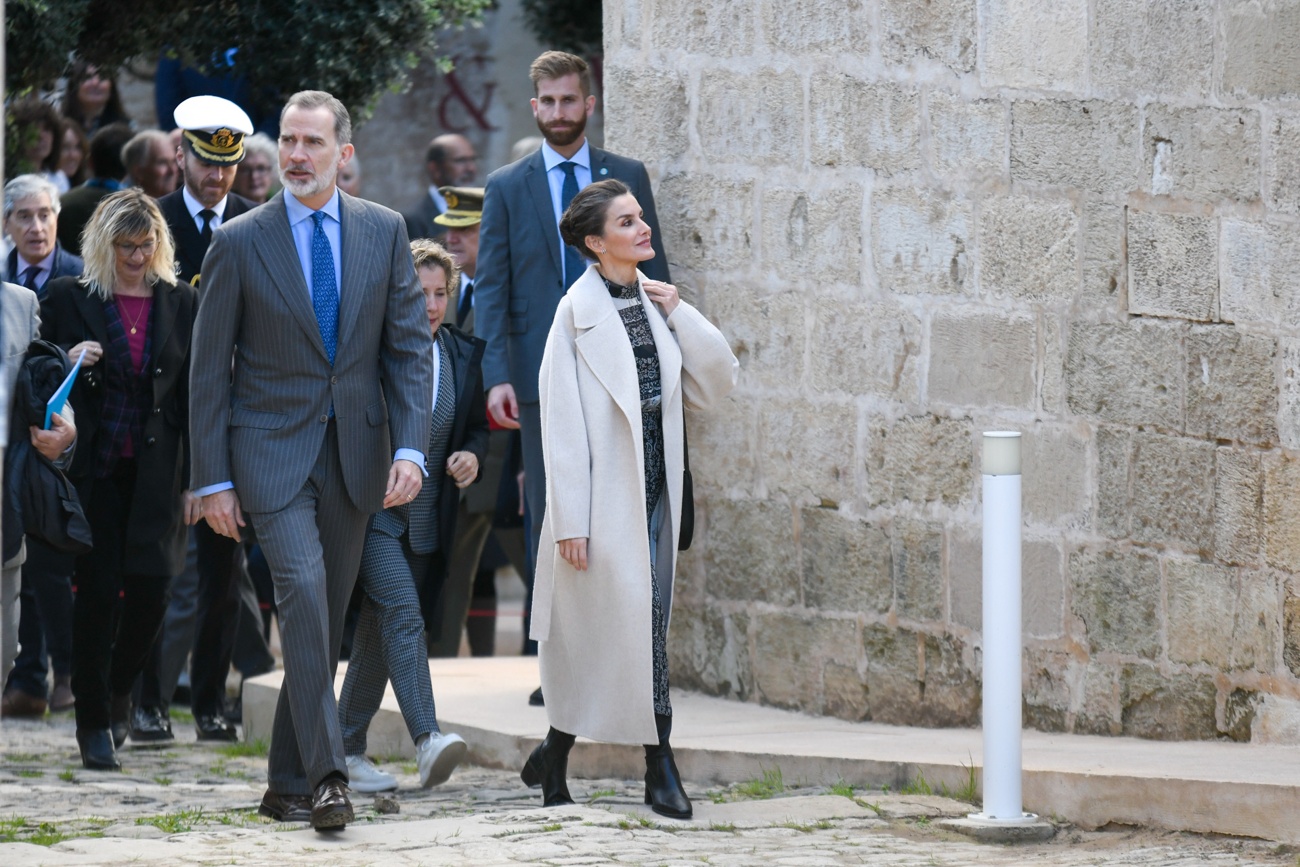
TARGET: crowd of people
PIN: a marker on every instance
(300, 404)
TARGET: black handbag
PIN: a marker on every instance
(687, 533)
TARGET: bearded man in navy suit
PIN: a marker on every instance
(524, 268)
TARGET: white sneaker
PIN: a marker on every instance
(363, 776)
(438, 757)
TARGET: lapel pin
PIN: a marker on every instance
(604, 171)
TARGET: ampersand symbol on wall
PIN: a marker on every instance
(457, 98)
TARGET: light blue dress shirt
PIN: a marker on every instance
(300, 224)
(555, 176)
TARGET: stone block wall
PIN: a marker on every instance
(916, 220)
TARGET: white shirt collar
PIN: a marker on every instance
(193, 205)
(438, 200)
(553, 159)
(299, 212)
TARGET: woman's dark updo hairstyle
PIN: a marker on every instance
(586, 213)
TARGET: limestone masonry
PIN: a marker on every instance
(920, 219)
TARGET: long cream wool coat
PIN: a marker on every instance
(593, 627)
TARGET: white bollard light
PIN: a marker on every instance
(1000, 468)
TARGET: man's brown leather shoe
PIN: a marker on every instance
(330, 807)
(17, 703)
(285, 808)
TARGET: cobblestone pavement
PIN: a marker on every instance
(195, 804)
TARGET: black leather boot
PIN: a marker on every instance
(97, 753)
(548, 766)
(663, 784)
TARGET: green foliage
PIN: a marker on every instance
(355, 49)
(16, 829)
(257, 748)
(919, 786)
(174, 823)
(772, 783)
(39, 35)
(968, 791)
(575, 26)
(843, 789)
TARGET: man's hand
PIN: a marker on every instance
(54, 442)
(193, 508)
(404, 482)
(503, 406)
(221, 511)
(575, 552)
(463, 468)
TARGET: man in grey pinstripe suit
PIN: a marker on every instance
(298, 435)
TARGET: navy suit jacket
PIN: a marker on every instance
(519, 280)
(65, 265)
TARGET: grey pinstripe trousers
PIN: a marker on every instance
(313, 546)
(389, 642)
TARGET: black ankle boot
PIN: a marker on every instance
(663, 783)
(96, 747)
(548, 766)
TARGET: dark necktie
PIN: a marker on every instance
(324, 290)
(572, 261)
(208, 216)
(465, 304)
(29, 278)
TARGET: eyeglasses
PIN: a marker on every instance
(128, 249)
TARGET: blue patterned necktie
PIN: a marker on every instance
(324, 288)
(573, 266)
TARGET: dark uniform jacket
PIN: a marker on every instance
(190, 246)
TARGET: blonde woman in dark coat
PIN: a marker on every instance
(133, 321)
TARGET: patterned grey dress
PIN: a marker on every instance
(628, 302)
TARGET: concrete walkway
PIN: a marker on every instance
(1224, 788)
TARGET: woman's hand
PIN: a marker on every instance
(575, 552)
(193, 508)
(663, 294)
(463, 468)
(94, 352)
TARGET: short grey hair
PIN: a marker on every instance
(309, 99)
(136, 151)
(261, 143)
(26, 186)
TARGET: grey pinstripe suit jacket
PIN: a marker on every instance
(263, 426)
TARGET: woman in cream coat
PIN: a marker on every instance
(623, 359)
